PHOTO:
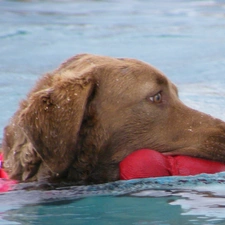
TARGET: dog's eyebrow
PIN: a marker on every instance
(161, 81)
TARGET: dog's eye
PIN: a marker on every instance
(156, 98)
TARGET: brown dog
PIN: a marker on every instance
(80, 121)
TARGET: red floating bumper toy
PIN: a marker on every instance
(145, 163)
(5, 183)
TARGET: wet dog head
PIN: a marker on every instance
(81, 120)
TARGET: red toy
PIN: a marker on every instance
(5, 183)
(145, 163)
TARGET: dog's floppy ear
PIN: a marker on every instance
(52, 121)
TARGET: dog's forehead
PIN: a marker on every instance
(121, 73)
(131, 72)
(101, 66)
(130, 80)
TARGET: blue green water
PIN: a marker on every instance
(105, 210)
(184, 39)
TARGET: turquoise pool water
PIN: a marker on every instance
(184, 39)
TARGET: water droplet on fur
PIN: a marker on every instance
(190, 129)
